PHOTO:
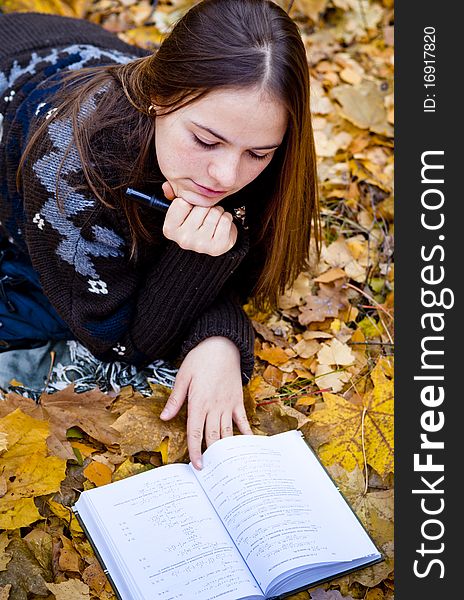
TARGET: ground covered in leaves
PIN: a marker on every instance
(324, 359)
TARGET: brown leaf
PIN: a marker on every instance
(267, 333)
(94, 577)
(5, 592)
(329, 300)
(23, 572)
(72, 589)
(65, 409)
(276, 418)
(142, 429)
(321, 594)
(40, 544)
(5, 556)
(69, 559)
(331, 275)
(363, 105)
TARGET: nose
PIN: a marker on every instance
(223, 170)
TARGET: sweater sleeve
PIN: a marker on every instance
(119, 309)
(225, 317)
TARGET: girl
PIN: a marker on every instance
(217, 120)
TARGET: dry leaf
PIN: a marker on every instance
(23, 572)
(321, 594)
(329, 300)
(363, 105)
(353, 426)
(142, 429)
(5, 592)
(275, 356)
(335, 353)
(98, 473)
(329, 378)
(70, 590)
(5, 556)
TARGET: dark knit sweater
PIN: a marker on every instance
(159, 305)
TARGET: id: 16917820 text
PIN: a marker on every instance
(429, 69)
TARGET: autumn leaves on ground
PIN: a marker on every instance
(324, 359)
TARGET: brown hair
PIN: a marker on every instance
(216, 44)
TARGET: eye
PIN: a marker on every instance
(203, 144)
(258, 156)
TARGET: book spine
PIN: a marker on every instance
(97, 553)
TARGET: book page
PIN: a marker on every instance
(279, 505)
(171, 541)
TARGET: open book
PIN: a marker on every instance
(262, 519)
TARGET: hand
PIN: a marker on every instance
(210, 378)
(207, 230)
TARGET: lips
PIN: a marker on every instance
(208, 191)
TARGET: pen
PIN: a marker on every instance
(151, 201)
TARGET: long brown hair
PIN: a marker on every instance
(216, 44)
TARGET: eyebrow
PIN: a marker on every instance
(212, 132)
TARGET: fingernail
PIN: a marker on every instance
(165, 413)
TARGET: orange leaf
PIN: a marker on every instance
(98, 473)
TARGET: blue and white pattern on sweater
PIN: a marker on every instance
(73, 248)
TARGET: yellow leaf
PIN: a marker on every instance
(67, 515)
(3, 441)
(260, 389)
(83, 449)
(98, 473)
(26, 436)
(370, 327)
(163, 448)
(367, 425)
(67, 8)
(275, 356)
(73, 589)
(18, 513)
(37, 476)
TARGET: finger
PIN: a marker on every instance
(227, 429)
(226, 229)
(241, 420)
(195, 425)
(168, 190)
(212, 429)
(195, 218)
(177, 212)
(211, 220)
(176, 399)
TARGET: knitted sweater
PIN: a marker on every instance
(159, 305)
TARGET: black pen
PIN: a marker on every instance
(151, 201)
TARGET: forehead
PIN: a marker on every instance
(247, 117)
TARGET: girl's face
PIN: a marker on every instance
(218, 144)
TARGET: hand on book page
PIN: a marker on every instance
(210, 378)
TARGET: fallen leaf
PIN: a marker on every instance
(330, 378)
(335, 353)
(23, 572)
(129, 468)
(5, 556)
(37, 476)
(294, 296)
(94, 577)
(142, 429)
(40, 544)
(352, 426)
(330, 299)
(18, 513)
(363, 105)
(70, 590)
(330, 275)
(5, 592)
(98, 473)
(67, 515)
(275, 356)
(3, 441)
(260, 389)
(321, 594)
(69, 559)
